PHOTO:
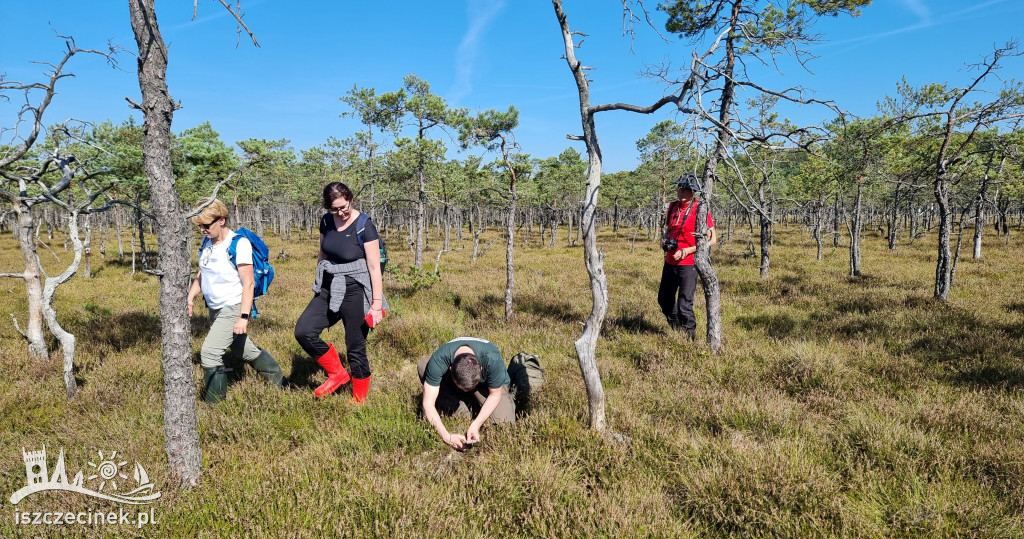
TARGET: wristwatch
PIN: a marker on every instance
(244, 316)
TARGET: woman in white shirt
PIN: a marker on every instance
(228, 291)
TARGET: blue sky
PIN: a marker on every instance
(475, 53)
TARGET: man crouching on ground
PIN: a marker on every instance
(466, 375)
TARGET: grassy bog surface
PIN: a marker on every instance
(840, 406)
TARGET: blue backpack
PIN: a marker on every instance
(262, 271)
(361, 229)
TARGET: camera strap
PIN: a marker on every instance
(686, 215)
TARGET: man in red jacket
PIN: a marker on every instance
(679, 243)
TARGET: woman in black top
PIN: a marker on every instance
(348, 288)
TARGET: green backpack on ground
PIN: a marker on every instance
(526, 377)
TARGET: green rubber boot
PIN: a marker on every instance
(216, 382)
(267, 366)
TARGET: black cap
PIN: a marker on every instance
(689, 181)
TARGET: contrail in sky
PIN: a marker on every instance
(481, 13)
(926, 21)
(920, 9)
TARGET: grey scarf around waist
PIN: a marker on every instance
(357, 271)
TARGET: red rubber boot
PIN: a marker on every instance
(360, 387)
(337, 376)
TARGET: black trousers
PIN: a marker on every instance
(678, 310)
(317, 317)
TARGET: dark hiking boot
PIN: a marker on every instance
(267, 366)
(216, 384)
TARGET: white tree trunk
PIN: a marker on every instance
(586, 345)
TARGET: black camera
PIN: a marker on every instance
(669, 244)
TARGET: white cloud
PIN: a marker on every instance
(481, 13)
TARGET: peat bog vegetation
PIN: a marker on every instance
(840, 407)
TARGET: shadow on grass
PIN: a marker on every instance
(776, 326)
(548, 307)
(864, 305)
(966, 348)
(303, 369)
(727, 258)
(122, 330)
(476, 309)
(634, 323)
(115, 262)
(1007, 377)
(640, 360)
(1016, 307)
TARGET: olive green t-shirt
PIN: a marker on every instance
(495, 373)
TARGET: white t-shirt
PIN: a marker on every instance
(220, 282)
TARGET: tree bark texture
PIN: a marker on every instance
(510, 274)
(180, 419)
(979, 209)
(421, 215)
(943, 263)
(835, 221)
(67, 339)
(765, 221)
(855, 229)
(819, 216)
(33, 283)
(766, 242)
(87, 246)
(702, 257)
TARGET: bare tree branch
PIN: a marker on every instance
(17, 327)
(237, 14)
(213, 196)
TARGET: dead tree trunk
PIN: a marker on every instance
(33, 283)
(421, 215)
(979, 208)
(819, 216)
(586, 345)
(510, 273)
(855, 227)
(87, 246)
(835, 221)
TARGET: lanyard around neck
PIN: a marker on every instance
(685, 215)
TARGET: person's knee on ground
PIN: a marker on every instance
(504, 413)
(421, 368)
